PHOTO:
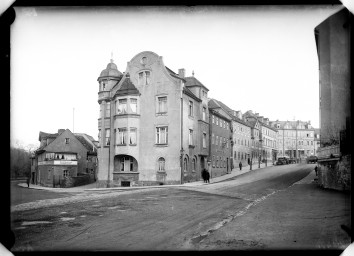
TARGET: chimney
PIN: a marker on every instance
(181, 72)
(60, 131)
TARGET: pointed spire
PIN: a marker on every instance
(193, 73)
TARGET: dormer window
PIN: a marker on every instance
(144, 78)
(67, 140)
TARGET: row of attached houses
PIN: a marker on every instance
(160, 127)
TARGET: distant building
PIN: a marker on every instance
(220, 143)
(241, 138)
(62, 157)
(267, 135)
(295, 139)
(153, 124)
(334, 38)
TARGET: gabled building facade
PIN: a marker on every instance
(62, 156)
(220, 142)
(241, 137)
(151, 127)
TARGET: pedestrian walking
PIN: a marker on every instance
(28, 180)
(204, 173)
(207, 176)
(240, 165)
(316, 169)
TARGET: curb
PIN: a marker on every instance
(235, 172)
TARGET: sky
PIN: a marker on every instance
(259, 58)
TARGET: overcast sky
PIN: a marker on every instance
(251, 58)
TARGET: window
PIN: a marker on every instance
(144, 78)
(122, 106)
(108, 109)
(49, 174)
(221, 122)
(213, 118)
(162, 104)
(99, 135)
(161, 164)
(65, 173)
(132, 136)
(227, 125)
(217, 140)
(235, 155)
(190, 137)
(220, 141)
(107, 141)
(185, 164)
(212, 138)
(217, 121)
(204, 140)
(122, 164)
(193, 165)
(131, 164)
(311, 143)
(162, 135)
(101, 106)
(122, 136)
(67, 140)
(133, 105)
(190, 108)
(239, 155)
(217, 162)
(204, 113)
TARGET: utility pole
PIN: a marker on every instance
(73, 118)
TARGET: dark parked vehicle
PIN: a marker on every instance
(281, 161)
(292, 161)
(311, 160)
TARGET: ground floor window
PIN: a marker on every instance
(65, 173)
(161, 164)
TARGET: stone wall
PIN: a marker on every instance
(82, 179)
(335, 173)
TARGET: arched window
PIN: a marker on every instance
(194, 165)
(185, 164)
(161, 164)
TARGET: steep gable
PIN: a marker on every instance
(59, 145)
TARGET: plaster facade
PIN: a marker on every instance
(151, 102)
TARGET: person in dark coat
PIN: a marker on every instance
(207, 176)
(28, 180)
(204, 175)
(240, 165)
(316, 169)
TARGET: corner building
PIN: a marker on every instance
(152, 124)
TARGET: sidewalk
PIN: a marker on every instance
(92, 187)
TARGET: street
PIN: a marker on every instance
(20, 195)
(261, 209)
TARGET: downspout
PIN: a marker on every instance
(110, 145)
(181, 133)
(210, 142)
